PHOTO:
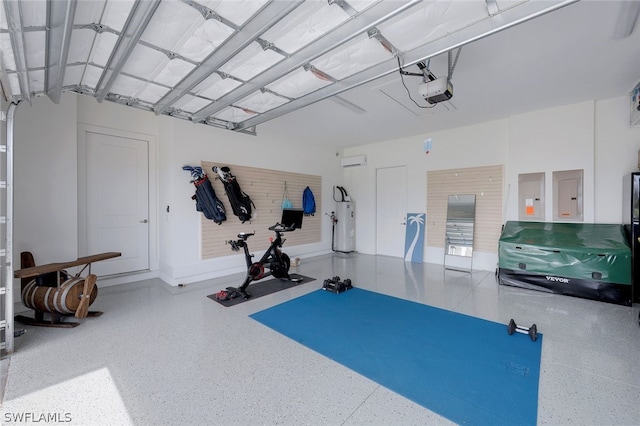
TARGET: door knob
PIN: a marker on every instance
(144, 221)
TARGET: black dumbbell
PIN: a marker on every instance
(531, 331)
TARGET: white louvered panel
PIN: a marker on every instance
(265, 187)
(486, 184)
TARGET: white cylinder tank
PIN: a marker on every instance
(345, 227)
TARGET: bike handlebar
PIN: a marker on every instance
(244, 236)
(279, 227)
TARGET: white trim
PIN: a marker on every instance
(8, 237)
(83, 129)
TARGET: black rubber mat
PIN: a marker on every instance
(263, 288)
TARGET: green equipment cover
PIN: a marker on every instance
(592, 261)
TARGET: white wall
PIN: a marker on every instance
(593, 136)
(45, 181)
(481, 145)
(616, 154)
(194, 143)
(46, 200)
(552, 140)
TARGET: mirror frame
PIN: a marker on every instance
(459, 232)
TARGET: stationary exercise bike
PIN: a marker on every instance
(273, 259)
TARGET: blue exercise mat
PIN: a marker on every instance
(466, 369)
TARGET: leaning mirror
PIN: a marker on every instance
(458, 245)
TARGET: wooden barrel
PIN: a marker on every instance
(64, 299)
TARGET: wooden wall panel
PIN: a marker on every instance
(265, 187)
(486, 183)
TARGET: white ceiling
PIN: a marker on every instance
(561, 58)
(252, 65)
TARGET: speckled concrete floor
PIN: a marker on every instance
(164, 355)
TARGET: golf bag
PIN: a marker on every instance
(205, 196)
(240, 202)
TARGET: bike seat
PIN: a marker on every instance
(244, 236)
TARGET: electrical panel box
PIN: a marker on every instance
(568, 195)
(531, 197)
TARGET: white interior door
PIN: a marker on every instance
(117, 201)
(391, 210)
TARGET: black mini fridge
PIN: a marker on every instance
(631, 222)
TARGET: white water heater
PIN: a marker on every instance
(344, 227)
